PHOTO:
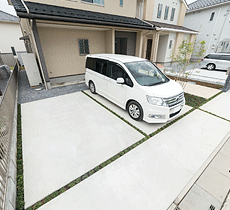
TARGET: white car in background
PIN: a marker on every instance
(136, 85)
(216, 61)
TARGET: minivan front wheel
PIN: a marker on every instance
(92, 87)
(135, 110)
(211, 66)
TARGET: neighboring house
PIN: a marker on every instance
(10, 32)
(168, 18)
(62, 32)
(212, 19)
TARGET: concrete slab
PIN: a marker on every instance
(198, 90)
(226, 149)
(219, 105)
(221, 163)
(154, 173)
(64, 137)
(198, 199)
(214, 183)
(214, 77)
(145, 127)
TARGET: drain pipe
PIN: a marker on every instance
(33, 38)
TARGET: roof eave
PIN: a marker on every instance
(78, 20)
(202, 8)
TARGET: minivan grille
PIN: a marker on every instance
(173, 101)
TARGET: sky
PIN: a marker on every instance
(9, 9)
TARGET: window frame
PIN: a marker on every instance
(121, 3)
(173, 11)
(94, 3)
(212, 16)
(84, 53)
(166, 12)
(159, 10)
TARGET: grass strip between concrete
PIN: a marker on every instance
(20, 182)
(118, 155)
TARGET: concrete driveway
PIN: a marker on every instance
(66, 136)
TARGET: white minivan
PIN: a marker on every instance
(136, 85)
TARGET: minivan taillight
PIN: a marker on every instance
(202, 59)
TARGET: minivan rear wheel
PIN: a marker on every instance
(211, 66)
(92, 87)
(135, 110)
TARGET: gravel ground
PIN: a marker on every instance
(28, 94)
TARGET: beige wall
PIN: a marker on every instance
(61, 49)
(181, 15)
(148, 9)
(110, 6)
(179, 40)
(110, 41)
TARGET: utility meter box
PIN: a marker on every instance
(32, 70)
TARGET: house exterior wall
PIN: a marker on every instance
(110, 6)
(10, 32)
(211, 31)
(61, 49)
(151, 10)
(163, 42)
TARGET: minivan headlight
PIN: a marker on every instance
(156, 101)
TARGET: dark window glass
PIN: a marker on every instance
(90, 63)
(172, 14)
(225, 57)
(121, 3)
(117, 71)
(83, 46)
(212, 16)
(213, 56)
(166, 12)
(90, 1)
(104, 67)
(128, 81)
(170, 44)
(159, 10)
(99, 64)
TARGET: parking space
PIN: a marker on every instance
(202, 91)
(64, 137)
(219, 105)
(147, 128)
(153, 174)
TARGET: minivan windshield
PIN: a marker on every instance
(145, 73)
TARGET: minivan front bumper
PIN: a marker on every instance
(160, 114)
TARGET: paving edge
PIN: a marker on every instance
(199, 173)
(11, 188)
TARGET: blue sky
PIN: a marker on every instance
(6, 8)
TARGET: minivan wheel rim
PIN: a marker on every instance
(134, 111)
(210, 67)
(91, 87)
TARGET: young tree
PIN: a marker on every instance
(182, 58)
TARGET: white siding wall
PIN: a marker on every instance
(172, 36)
(172, 4)
(9, 37)
(210, 31)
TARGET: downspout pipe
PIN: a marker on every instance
(28, 13)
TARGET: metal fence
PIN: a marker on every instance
(7, 59)
(7, 107)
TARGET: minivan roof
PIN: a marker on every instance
(117, 57)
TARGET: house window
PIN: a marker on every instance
(159, 10)
(83, 46)
(170, 44)
(121, 3)
(172, 14)
(101, 2)
(166, 12)
(212, 16)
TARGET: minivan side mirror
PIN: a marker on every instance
(120, 80)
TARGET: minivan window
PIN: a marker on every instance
(145, 73)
